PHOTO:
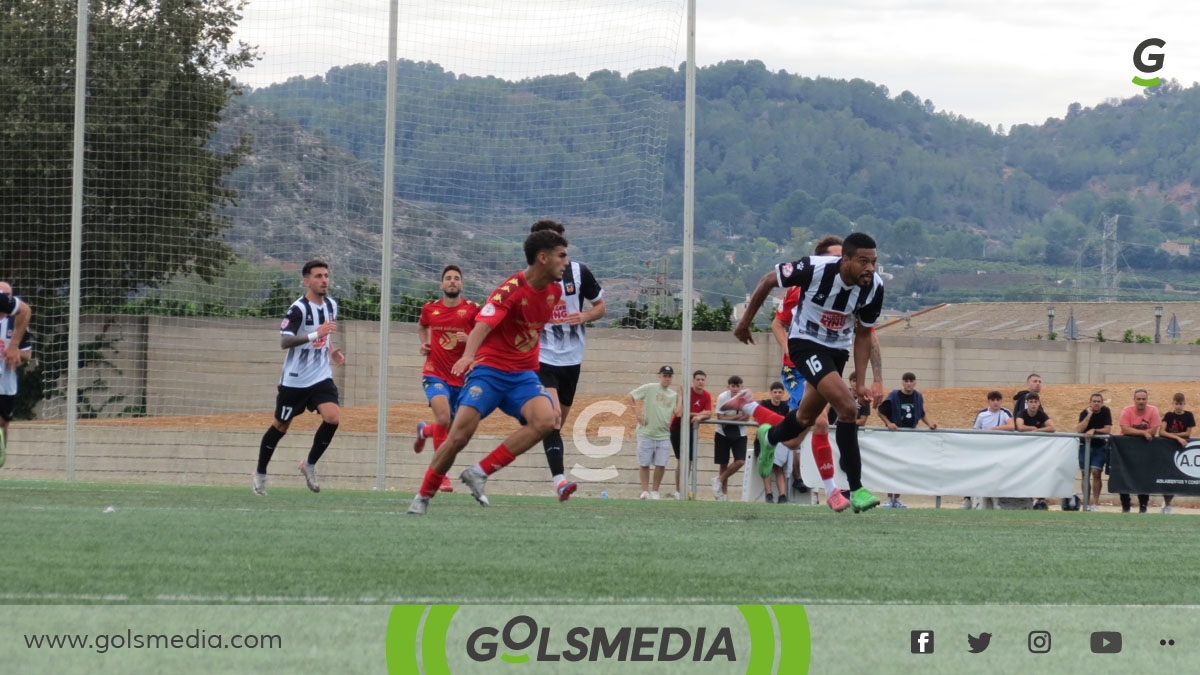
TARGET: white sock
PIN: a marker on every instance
(750, 407)
(830, 486)
(559, 479)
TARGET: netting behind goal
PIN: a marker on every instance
(200, 206)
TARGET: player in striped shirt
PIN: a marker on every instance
(841, 301)
(443, 329)
(15, 349)
(307, 380)
(502, 360)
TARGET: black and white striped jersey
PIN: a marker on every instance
(828, 306)
(562, 344)
(8, 378)
(307, 364)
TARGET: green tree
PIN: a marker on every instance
(160, 72)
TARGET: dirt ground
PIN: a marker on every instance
(953, 408)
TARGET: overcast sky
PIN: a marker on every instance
(996, 62)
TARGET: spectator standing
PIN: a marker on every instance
(701, 409)
(903, 408)
(654, 428)
(1139, 419)
(1094, 419)
(1034, 418)
(778, 404)
(729, 442)
(1033, 385)
(995, 417)
(1177, 425)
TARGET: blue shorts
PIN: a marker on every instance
(436, 386)
(793, 382)
(487, 388)
(1098, 459)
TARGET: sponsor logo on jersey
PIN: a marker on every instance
(560, 313)
(526, 340)
(488, 309)
(448, 341)
(833, 320)
(320, 342)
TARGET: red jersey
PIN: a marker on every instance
(444, 346)
(790, 300)
(516, 312)
(700, 403)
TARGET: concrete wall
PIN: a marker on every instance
(184, 366)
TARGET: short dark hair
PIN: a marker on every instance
(855, 241)
(734, 379)
(1179, 398)
(1095, 395)
(776, 385)
(995, 396)
(308, 266)
(547, 224)
(449, 268)
(827, 242)
(1033, 375)
(699, 372)
(1033, 396)
(542, 240)
(908, 376)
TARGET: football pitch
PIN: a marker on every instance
(190, 544)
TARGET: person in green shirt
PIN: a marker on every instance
(654, 428)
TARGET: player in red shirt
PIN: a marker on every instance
(702, 406)
(443, 330)
(502, 359)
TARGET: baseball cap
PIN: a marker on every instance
(666, 370)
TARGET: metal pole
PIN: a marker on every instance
(689, 200)
(81, 39)
(1087, 473)
(385, 276)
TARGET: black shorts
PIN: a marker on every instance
(675, 443)
(815, 361)
(724, 445)
(8, 403)
(564, 379)
(291, 402)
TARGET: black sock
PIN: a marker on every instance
(851, 461)
(786, 430)
(321, 441)
(267, 447)
(553, 445)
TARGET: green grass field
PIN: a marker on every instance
(180, 544)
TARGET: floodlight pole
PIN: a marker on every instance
(689, 199)
(1158, 310)
(81, 39)
(385, 275)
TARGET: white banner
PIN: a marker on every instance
(959, 464)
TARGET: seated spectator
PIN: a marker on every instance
(995, 417)
(730, 440)
(1139, 419)
(1177, 425)
(1034, 418)
(904, 407)
(1095, 419)
(778, 404)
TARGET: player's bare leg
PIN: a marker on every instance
(440, 405)
(539, 413)
(331, 417)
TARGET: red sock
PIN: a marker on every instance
(498, 459)
(763, 415)
(432, 482)
(439, 435)
(432, 431)
(823, 454)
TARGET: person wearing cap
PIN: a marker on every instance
(654, 428)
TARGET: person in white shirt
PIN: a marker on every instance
(995, 417)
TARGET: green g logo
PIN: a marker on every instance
(1148, 64)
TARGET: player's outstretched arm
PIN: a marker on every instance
(765, 285)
